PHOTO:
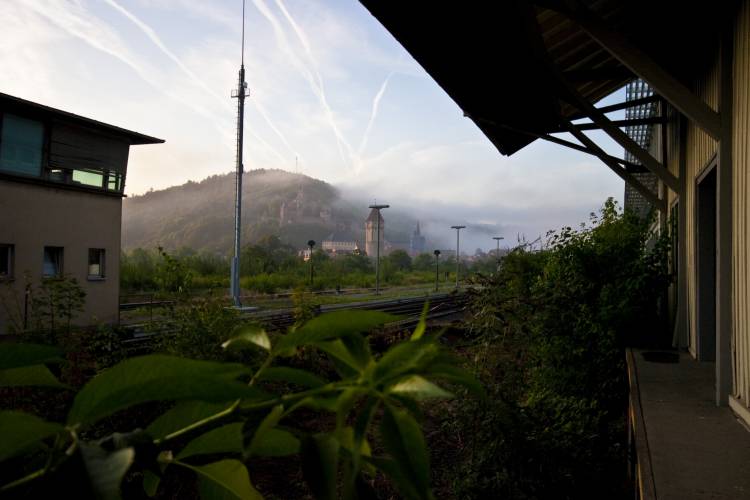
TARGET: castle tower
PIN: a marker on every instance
(371, 233)
(417, 243)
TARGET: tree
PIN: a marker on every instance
(423, 262)
(399, 260)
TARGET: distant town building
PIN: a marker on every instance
(337, 243)
(62, 178)
(371, 233)
(417, 244)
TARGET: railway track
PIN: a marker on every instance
(140, 338)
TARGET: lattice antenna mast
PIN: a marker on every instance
(240, 93)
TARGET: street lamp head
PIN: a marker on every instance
(437, 253)
(498, 238)
(457, 227)
(311, 243)
(378, 207)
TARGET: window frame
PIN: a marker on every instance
(102, 252)
(61, 262)
(11, 262)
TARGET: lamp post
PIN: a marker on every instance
(437, 268)
(378, 208)
(458, 231)
(497, 252)
(311, 244)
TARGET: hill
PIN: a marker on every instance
(200, 215)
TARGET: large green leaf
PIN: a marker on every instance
(418, 388)
(422, 325)
(346, 364)
(403, 439)
(224, 480)
(320, 458)
(334, 325)
(157, 377)
(406, 357)
(182, 415)
(224, 439)
(275, 443)
(106, 469)
(398, 476)
(19, 431)
(38, 375)
(15, 355)
(448, 370)
(248, 334)
(150, 483)
(293, 375)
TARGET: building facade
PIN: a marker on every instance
(371, 233)
(62, 178)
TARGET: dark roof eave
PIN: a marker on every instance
(134, 138)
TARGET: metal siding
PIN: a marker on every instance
(700, 149)
(741, 212)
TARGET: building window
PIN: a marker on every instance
(6, 261)
(96, 263)
(21, 145)
(53, 262)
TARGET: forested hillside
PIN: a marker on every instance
(200, 215)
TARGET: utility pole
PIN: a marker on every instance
(378, 208)
(437, 268)
(240, 93)
(458, 230)
(497, 253)
(311, 244)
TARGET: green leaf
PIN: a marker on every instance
(406, 357)
(419, 388)
(157, 377)
(19, 431)
(224, 439)
(150, 483)
(334, 325)
(223, 480)
(15, 355)
(403, 439)
(293, 375)
(182, 415)
(346, 364)
(276, 443)
(457, 375)
(320, 456)
(249, 334)
(105, 469)
(422, 325)
(268, 423)
(38, 375)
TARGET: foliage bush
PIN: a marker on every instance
(548, 336)
(224, 416)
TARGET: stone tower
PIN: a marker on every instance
(371, 234)
(417, 243)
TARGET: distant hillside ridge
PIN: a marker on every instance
(200, 215)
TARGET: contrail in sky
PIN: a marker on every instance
(373, 114)
(151, 34)
(315, 82)
(73, 23)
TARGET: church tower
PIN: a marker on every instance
(417, 243)
(371, 233)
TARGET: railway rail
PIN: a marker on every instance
(140, 337)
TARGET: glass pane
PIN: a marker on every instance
(4, 261)
(52, 261)
(114, 181)
(96, 262)
(88, 178)
(56, 174)
(21, 145)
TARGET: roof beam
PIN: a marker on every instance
(618, 135)
(629, 104)
(556, 140)
(642, 65)
(598, 74)
(652, 197)
(622, 123)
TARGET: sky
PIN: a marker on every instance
(332, 95)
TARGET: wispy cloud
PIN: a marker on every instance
(373, 114)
